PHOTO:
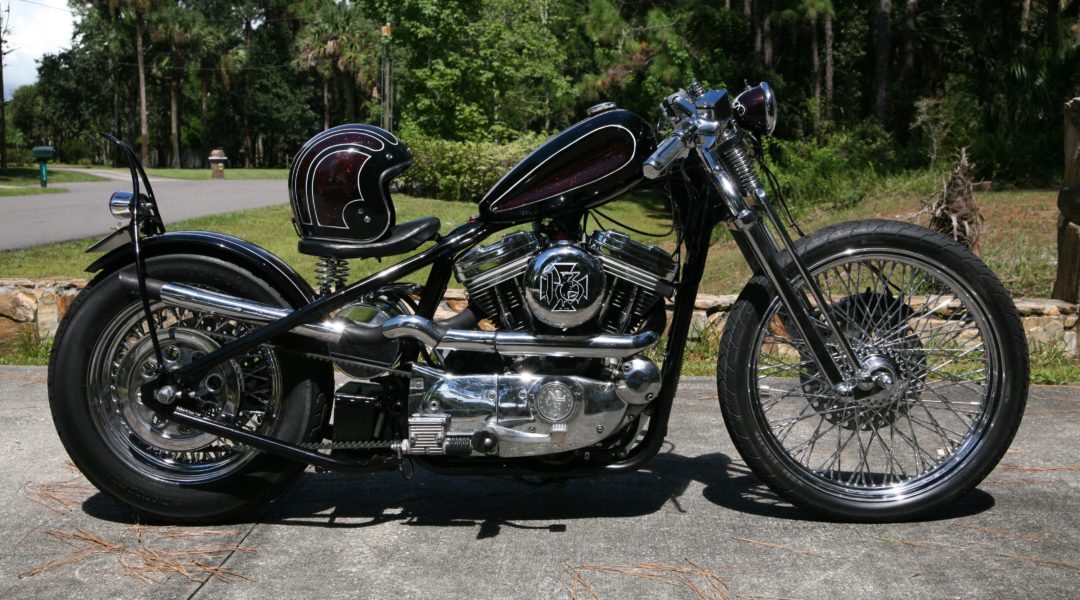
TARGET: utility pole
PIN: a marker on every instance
(386, 79)
(3, 96)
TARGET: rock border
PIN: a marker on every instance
(35, 306)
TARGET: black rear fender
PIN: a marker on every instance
(234, 250)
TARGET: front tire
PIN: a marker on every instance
(102, 352)
(913, 300)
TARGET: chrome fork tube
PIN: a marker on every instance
(765, 251)
(811, 284)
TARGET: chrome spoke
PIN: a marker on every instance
(910, 312)
(248, 396)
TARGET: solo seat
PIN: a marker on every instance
(400, 239)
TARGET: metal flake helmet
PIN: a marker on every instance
(339, 184)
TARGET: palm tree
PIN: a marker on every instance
(137, 11)
(337, 42)
(184, 32)
(315, 49)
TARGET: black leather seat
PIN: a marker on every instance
(401, 238)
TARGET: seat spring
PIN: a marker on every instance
(331, 274)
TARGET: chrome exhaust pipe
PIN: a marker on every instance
(517, 343)
(185, 296)
(347, 333)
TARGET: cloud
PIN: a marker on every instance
(33, 30)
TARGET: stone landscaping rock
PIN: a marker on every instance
(17, 304)
(43, 303)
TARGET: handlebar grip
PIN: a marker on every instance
(667, 152)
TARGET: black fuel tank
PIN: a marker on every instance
(588, 164)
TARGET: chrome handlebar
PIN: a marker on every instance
(691, 131)
(672, 148)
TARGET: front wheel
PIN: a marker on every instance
(102, 355)
(936, 319)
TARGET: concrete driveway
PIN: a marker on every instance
(83, 211)
(697, 524)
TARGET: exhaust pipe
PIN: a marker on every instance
(516, 342)
(347, 333)
(185, 296)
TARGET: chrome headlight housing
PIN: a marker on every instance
(120, 204)
(755, 109)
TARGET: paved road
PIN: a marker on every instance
(83, 211)
(333, 536)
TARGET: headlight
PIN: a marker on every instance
(120, 204)
(755, 109)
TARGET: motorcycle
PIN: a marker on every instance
(869, 371)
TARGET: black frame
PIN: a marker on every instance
(699, 207)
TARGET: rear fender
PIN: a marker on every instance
(259, 261)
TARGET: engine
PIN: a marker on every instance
(608, 284)
(532, 405)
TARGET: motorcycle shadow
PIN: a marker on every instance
(354, 501)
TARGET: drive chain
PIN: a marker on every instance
(351, 445)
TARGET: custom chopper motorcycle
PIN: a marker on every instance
(868, 371)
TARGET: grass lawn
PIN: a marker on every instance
(238, 173)
(25, 181)
(204, 174)
(1019, 244)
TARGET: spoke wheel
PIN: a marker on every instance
(244, 392)
(925, 315)
(103, 354)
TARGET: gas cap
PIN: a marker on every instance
(599, 108)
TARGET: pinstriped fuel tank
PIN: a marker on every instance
(592, 162)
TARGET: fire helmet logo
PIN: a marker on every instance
(563, 287)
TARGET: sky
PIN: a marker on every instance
(34, 28)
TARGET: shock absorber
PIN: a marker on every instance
(331, 274)
(738, 160)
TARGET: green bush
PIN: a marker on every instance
(837, 174)
(450, 170)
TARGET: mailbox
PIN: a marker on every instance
(44, 154)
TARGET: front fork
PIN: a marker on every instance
(764, 251)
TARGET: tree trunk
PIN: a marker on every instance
(174, 125)
(748, 7)
(3, 102)
(1067, 284)
(907, 71)
(755, 27)
(116, 109)
(828, 66)
(881, 59)
(245, 109)
(325, 104)
(205, 154)
(761, 25)
(815, 62)
(766, 33)
(1053, 24)
(348, 92)
(144, 126)
(1025, 14)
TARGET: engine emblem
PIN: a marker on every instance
(564, 286)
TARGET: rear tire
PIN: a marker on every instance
(951, 331)
(159, 470)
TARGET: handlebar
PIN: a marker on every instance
(671, 149)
